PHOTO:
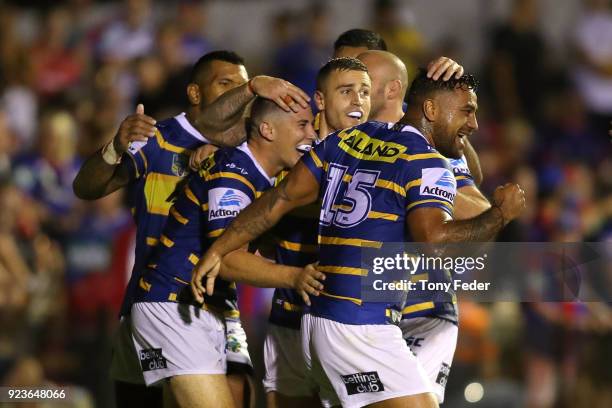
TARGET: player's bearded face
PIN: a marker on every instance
(456, 122)
(222, 77)
(346, 99)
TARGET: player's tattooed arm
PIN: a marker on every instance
(435, 226)
(222, 122)
(102, 173)
(298, 189)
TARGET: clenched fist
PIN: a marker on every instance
(510, 199)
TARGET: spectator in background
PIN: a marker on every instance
(55, 66)
(517, 63)
(593, 72)
(47, 175)
(402, 39)
(130, 37)
(192, 18)
(299, 61)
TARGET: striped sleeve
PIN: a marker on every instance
(228, 194)
(430, 183)
(139, 155)
(314, 161)
(462, 173)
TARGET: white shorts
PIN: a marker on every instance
(237, 346)
(433, 341)
(357, 365)
(177, 339)
(284, 362)
(125, 366)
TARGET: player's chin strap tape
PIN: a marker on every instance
(393, 315)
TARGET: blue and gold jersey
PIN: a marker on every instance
(296, 245)
(444, 310)
(156, 167)
(228, 181)
(371, 177)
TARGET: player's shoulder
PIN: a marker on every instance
(240, 164)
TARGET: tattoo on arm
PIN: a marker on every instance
(223, 113)
(479, 229)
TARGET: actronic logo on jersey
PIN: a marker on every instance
(438, 182)
(152, 359)
(360, 383)
(225, 202)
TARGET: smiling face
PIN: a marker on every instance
(345, 98)
(455, 120)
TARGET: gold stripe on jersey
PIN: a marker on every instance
(177, 216)
(234, 176)
(205, 207)
(449, 206)
(419, 276)
(290, 307)
(179, 280)
(343, 270)
(349, 242)
(375, 215)
(364, 147)
(144, 285)
(422, 156)
(158, 187)
(460, 177)
(350, 299)
(389, 185)
(172, 297)
(215, 233)
(192, 197)
(315, 158)
(166, 241)
(152, 241)
(413, 183)
(298, 247)
(418, 307)
(169, 146)
(193, 258)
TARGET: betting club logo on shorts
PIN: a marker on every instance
(152, 359)
(443, 375)
(360, 383)
(438, 182)
(225, 202)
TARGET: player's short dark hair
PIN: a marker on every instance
(422, 87)
(338, 64)
(204, 62)
(260, 109)
(359, 37)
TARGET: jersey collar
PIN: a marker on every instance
(181, 118)
(245, 148)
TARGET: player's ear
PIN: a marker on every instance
(319, 100)
(430, 110)
(266, 131)
(193, 94)
(393, 89)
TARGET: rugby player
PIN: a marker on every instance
(429, 329)
(150, 159)
(182, 340)
(378, 184)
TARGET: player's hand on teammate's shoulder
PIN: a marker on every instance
(208, 266)
(202, 152)
(308, 282)
(137, 127)
(286, 95)
(444, 68)
(510, 199)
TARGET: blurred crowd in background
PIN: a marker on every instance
(70, 71)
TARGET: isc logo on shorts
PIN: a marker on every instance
(360, 383)
(152, 359)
